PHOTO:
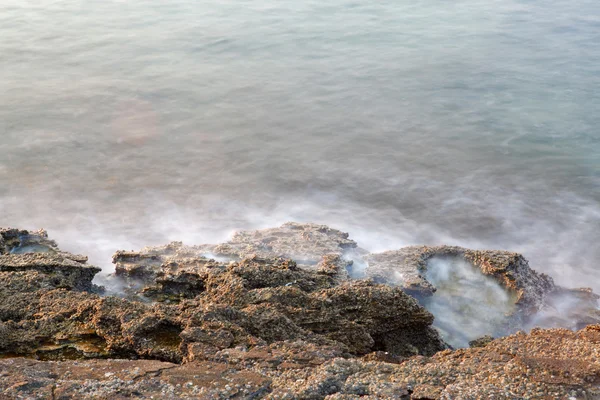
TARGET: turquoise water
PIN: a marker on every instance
(126, 123)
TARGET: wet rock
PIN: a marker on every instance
(306, 244)
(31, 261)
(146, 263)
(481, 342)
(176, 270)
(567, 308)
(406, 267)
(261, 326)
(18, 241)
(203, 307)
(46, 270)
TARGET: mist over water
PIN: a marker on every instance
(475, 123)
(467, 304)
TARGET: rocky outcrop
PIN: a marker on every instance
(176, 271)
(539, 302)
(304, 243)
(546, 364)
(175, 268)
(406, 267)
(239, 321)
(199, 307)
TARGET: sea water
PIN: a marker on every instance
(125, 123)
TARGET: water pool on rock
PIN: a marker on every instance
(467, 303)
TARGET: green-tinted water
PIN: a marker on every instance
(468, 122)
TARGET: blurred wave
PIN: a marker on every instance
(472, 122)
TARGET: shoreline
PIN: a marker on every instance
(297, 311)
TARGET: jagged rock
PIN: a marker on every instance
(481, 342)
(46, 270)
(406, 267)
(18, 241)
(23, 241)
(260, 326)
(304, 243)
(211, 307)
(174, 269)
(556, 363)
(539, 302)
(31, 261)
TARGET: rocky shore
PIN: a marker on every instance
(294, 312)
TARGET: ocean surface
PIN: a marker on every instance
(466, 122)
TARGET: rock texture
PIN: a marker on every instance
(538, 299)
(273, 314)
(49, 310)
(546, 364)
(304, 243)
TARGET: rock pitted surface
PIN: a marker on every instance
(274, 314)
(304, 243)
(537, 296)
(406, 268)
(546, 364)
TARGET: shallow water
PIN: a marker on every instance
(31, 248)
(127, 123)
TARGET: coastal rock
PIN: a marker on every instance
(125, 379)
(203, 307)
(31, 260)
(407, 267)
(555, 363)
(306, 244)
(311, 246)
(46, 270)
(538, 301)
(260, 326)
(176, 271)
(19, 241)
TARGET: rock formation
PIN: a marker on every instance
(273, 314)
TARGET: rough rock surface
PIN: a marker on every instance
(546, 364)
(48, 310)
(537, 297)
(261, 326)
(30, 261)
(178, 271)
(311, 246)
(406, 268)
(304, 243)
